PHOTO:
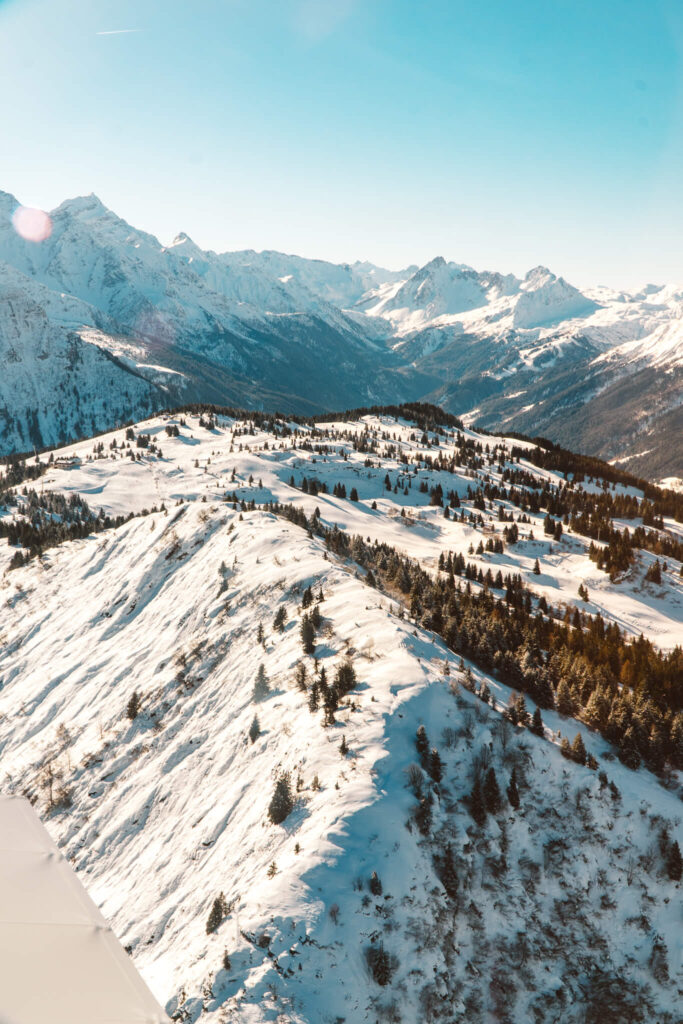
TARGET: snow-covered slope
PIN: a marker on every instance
(55, 384)
(560, 908)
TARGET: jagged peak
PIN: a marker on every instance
(90, 205)
(184, 240)
(539, 273)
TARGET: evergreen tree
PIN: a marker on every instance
(654, 573)
(628, 750)
(330, 704)
(578, 750)
(280, 619)
(281, 803)
(513, 792)
(261, 686)
(343, 746)
(563, 699)
(307, 598)
(523, 716)
(537, 568)
(448, 873)
(300, 677)
(345, 678)
(435, 765)
(254, 729)
(537, 723)
(477, 802)
(353, 496)
(375, 884)
(134, 705)
(260, 636)
(313, 696)
(423, 815)
(674, 863)
(492, 796)
(307, 635)
(380, 964)
(422, 744)
(217, 914)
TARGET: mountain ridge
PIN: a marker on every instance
(496, 348)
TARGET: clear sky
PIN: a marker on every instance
(499, 133)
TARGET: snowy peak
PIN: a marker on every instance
(546, 298)
(84, 207)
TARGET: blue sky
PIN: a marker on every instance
(502, 134)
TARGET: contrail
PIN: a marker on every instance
(118, 31)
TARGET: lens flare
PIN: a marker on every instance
(33, 225)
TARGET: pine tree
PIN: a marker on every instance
(674, 863)
(217, 914)
(260, 636)
(300, 677)
(345, 678)
(282, 802)
(380, 965)
(537, 568)
(343, 747)
(435, 765)
(422, 744)
(654, 573)
(448, 874)
(491, 791)
(423, 815)
(563, 699)
(513, 792)
(313, 696)
(307, 635)
(578, 749)
(134, 706)
(523, 716)
(375, 884)
(330, 704)
(628, 750)
(261, 686)
(280, 619)
(254, 730)
(477, 802)
(537, 723)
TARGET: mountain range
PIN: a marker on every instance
(101, 323)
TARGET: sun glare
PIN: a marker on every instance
(33, 225)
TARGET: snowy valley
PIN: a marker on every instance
(375, 718)
(157, 326)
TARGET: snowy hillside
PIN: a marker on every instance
(135, 714)
(278, 331)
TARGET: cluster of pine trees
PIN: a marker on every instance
(49, 519)
(628, 690)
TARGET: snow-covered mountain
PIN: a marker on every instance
(131, 716)
(272, 330)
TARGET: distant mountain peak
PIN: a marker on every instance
(91, 205)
